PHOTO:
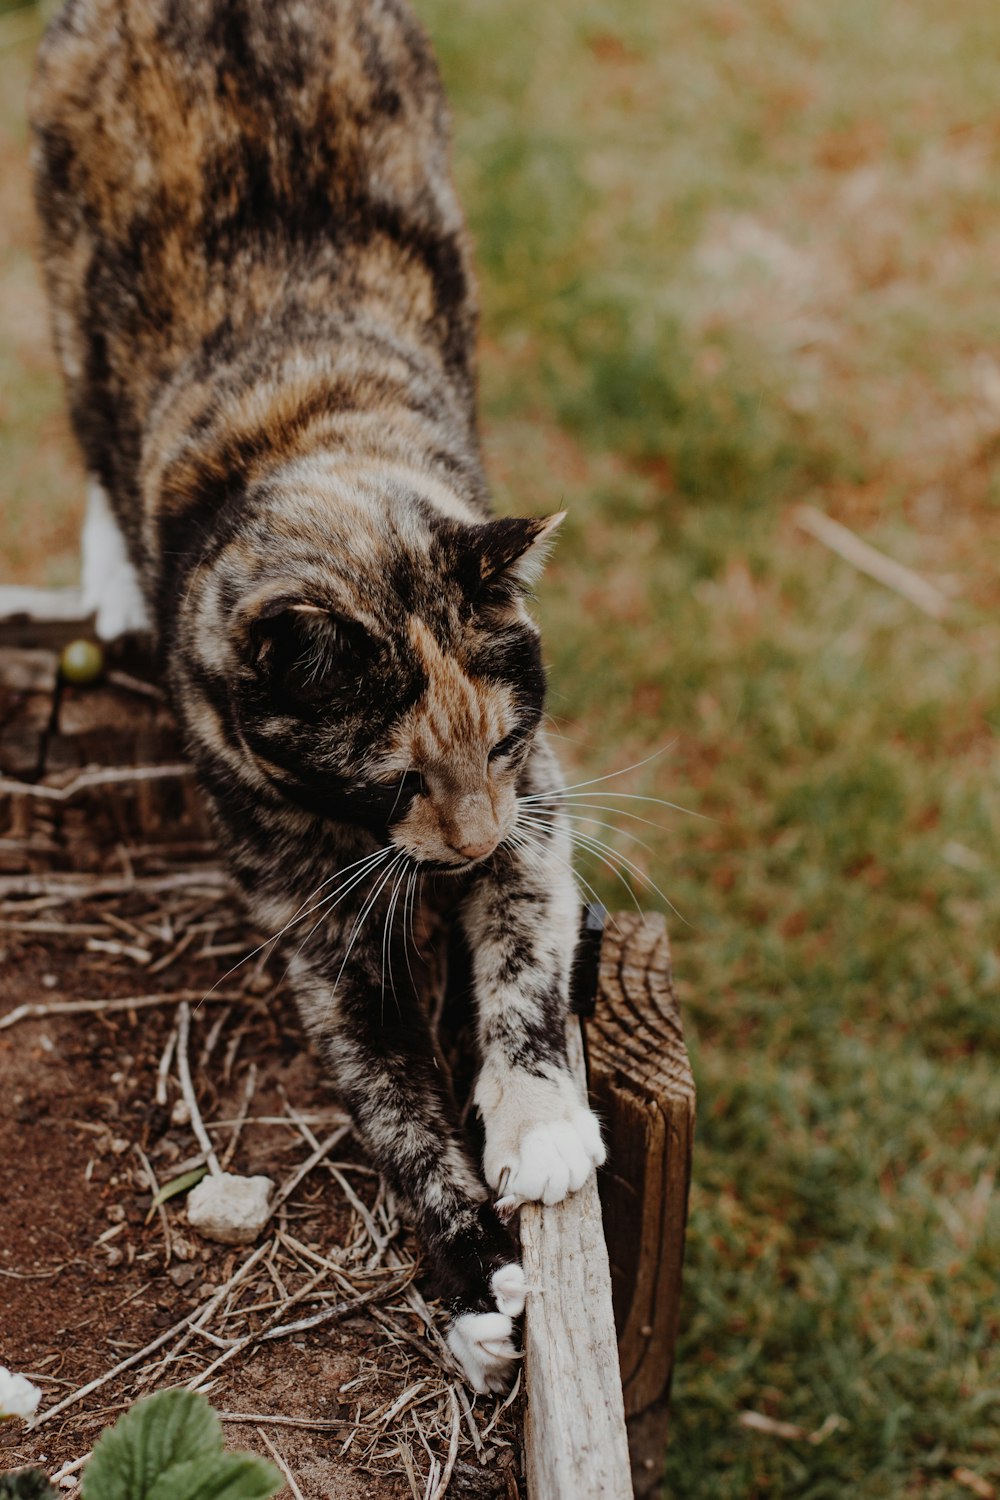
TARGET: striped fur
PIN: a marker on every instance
(263, 306)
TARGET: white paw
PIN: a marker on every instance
(483, 1343)
(510, 1289)
(548, 1161)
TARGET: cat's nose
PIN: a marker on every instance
(476, 850)
(469, 825)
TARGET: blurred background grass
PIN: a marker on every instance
(735, 256)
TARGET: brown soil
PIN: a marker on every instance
(84, 1279)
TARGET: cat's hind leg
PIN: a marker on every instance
(110, 585)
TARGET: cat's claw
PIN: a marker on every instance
(483, 1343)
(548, 1162)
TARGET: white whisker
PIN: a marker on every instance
(588, 821)
(612, 774)
(365, 912)
(368, 860)
(329, 902)
(528, 844)
(399, 792)
(600, 849)
(568, 796)
(408, 901)
(387, 935)
(578, 840)
(621, 812)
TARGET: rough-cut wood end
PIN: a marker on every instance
(642, 1087)
(575, 1440)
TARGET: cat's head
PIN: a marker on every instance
(401, 691)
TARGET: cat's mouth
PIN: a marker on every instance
(451, 866)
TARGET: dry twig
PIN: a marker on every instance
(78, 887)
(282, 1465)
(35, 1012)
(249, 1089)
(86, 780)
(133, 1359)
(867, 559)
(317, 1424)
(154, 1188)
(187, 1088)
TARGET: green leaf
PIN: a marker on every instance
(230, 1476)
(177, 1185)
(168, 1429)
(26, 1484)
(169, 1447)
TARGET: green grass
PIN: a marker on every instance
(41, 479)
(734, 257)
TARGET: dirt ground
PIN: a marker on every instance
(86, 1278)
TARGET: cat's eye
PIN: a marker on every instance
(410, 784)
(504, 746)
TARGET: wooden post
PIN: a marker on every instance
(641, 1086)
(575, 1441)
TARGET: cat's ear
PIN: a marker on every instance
(299, 648)
(514, 548)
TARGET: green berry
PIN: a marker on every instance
(82, 662)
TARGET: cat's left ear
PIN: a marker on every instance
(515, 548)
(297, 647)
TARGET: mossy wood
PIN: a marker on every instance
(106, 766)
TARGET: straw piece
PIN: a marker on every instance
(867, 559)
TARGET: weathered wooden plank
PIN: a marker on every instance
(24, 670)
(575, 1441)
(62, 748)
(642, 1087)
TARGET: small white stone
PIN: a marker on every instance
(180, 1114)
(18, 1397)
(230, 1209)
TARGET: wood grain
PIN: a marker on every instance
(575, 1441)
(642, 1087)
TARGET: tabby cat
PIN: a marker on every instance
(265, 314)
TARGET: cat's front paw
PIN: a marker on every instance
(483, 1342)
(545, 1161)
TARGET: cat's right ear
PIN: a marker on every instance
(508, 554)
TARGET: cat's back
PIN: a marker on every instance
(229, 186)
(234, 113)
